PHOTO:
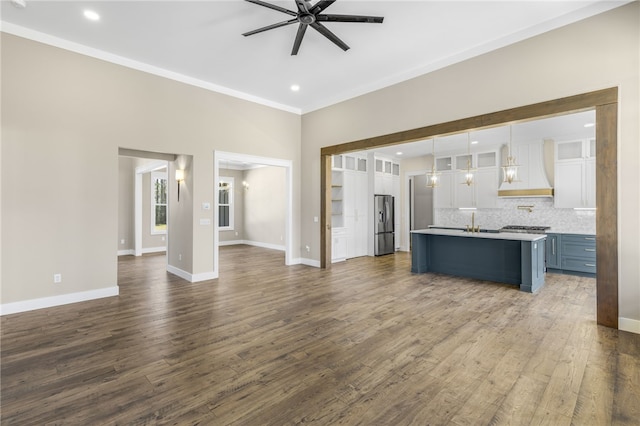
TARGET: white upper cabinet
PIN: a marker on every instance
(452, 192)
(575, 174)
(387, 177)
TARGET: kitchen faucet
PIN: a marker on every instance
(473, 227)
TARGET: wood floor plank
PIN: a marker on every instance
(365, 342)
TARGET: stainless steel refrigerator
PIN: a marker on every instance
(384, 222)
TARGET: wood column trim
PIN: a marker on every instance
(325, 214)
(607, 214)
(560, 106)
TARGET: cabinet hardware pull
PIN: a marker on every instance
(590, 264)
(589, 249)
(589, 238)
(553, 246)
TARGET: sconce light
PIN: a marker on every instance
(245, 184)
(179, 179)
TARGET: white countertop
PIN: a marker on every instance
(569, 230)
(489, 235)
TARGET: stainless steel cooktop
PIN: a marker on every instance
(525, 229)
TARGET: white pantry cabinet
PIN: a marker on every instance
(350, 192)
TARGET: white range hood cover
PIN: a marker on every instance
(532, 178)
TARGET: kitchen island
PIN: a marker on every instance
(511, 258)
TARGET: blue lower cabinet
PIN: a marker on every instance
(552, 251)
(578, 265)
(500, 260)
(571, 254)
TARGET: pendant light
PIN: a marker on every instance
(468, 176)
(510, 169)
(433, 176)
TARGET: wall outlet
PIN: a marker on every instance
(122, 241)
(163, 238)
(307, 248)
(57, 278)
(236, 233)
(281, 238)
(180, 256)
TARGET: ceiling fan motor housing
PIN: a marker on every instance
(311, 15)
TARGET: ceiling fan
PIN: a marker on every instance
(311, 15)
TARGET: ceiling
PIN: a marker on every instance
(201, 42)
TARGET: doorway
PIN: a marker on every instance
(420, 204)
(222, 159)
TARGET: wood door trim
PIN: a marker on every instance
(604, 101)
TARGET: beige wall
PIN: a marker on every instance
(265, 205)
(593, 54)
(64, 115)
(126, 203)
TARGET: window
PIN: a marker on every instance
(158, 202)
(225, 203)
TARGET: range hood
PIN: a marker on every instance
(532, 177)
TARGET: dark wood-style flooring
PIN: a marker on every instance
(364, 343)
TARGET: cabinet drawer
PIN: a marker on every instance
(585, 251)
(581, 265)
(579, 239)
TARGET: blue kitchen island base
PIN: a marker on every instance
(505, 258)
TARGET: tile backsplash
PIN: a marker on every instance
(543, 214)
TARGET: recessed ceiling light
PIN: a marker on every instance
(91, 15)
(399, 153)
(295, 87)
(589, 124)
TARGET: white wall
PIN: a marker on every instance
(597, 53)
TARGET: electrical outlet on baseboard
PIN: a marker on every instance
(57, 278)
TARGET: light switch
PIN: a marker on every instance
(206, 206)
(205, 221)
(315, 219)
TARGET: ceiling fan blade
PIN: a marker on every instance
(303, 7)
(273, 6)
(331, 36)
(350, 18)
(270, 27)
(299, 35)
(321, 5)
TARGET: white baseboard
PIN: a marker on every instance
(192, 278)
(230, 243)
(628, 324)
(154, 250)
(131, 252)
(63, 299)
(253, 243)
(308, 262)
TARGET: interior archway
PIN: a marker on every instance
(604, 102)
